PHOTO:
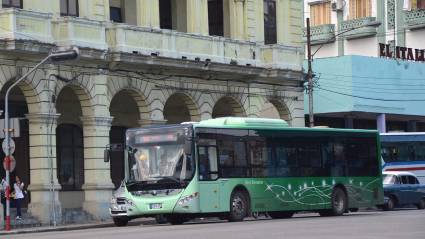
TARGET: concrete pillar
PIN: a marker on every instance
(412, 126)
(197, 16)
(349, 122)
(97, 179)
(93, 10)
(148, 13)
(42, 137)
(381, 123)
(340, 39)
(52, 6)
(237, 19)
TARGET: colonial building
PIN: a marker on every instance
(368, 62)
(142, 62)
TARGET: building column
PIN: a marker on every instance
(237, 19)
(97, 178)
(197, 16)
(381, 123)
(41, 6)
(44, 182)
(283, 21)
(148, 13)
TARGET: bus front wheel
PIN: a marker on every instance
(338, 203)
(120, 222)
(238, 206)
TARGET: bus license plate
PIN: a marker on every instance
(155, 205)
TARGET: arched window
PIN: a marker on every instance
(70, 156)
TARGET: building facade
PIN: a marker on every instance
(142, 62)
(368, 63)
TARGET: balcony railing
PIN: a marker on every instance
(25, 25)
(415, 19)
(121, 38)
(360, 26)
(321, 34)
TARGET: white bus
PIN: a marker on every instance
(404, 152)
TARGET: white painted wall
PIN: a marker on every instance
(362, 47)
(415, 39)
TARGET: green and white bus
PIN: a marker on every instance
(235, 167)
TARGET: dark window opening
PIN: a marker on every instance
(165, 17)
(115, 13)
(270, 28)
(215, 17)
(12, 3)
(69, 8)
(421, 4)
(70, 159)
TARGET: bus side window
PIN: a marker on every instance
(207, 156)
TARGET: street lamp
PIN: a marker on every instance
(59, 54)
(310, 59)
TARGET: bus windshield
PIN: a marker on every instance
(159, 155)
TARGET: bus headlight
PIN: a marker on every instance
(188, 198)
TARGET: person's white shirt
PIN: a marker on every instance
(18, 190)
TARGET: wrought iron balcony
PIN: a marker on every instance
(415, 19)
(358, 28)
(321, 34)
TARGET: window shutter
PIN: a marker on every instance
(352, 13)
(414, 4)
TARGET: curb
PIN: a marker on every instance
(58, 228)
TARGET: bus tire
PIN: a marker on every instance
(339, 202)
(176, 220)
(238, 206)
(390, 205)
(421, 204)
(120, 222)
(356, 209)
(280, 215)
(160, 219)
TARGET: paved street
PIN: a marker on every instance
(397, 224)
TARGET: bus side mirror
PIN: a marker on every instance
(106, 155)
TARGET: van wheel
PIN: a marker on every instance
(280, 215)
(238, 206)
(389, 206)
(421, 204)
(120, 222)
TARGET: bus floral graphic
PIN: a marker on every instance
(312, 194)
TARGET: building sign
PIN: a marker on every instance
(404, 53)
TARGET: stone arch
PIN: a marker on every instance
(275, 108)
(228, 106)
(133, 102)
(137, 89)
(180, 107)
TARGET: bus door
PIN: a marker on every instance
(209, 186)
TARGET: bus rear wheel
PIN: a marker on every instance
(120, 222)
(238, 206)
(280, 215)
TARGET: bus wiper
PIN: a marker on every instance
(167, 177)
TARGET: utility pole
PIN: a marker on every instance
(310, 77)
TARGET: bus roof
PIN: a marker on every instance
(264, 123)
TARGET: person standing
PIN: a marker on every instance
(3, 187)
(19, 196)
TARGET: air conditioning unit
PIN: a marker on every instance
(337, 5)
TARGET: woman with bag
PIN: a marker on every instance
(19, 196)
